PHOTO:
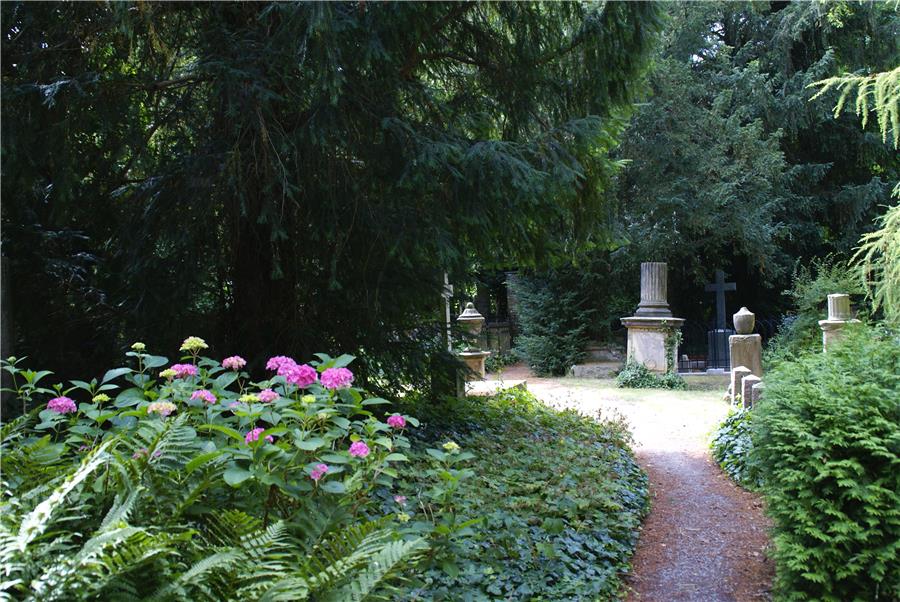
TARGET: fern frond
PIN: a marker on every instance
(381, 566)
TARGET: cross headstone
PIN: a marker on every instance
(719, 287)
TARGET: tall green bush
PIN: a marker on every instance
(554, 318)
(827, 438)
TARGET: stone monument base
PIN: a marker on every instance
(647, 341)
(746, 350)
(474, 361)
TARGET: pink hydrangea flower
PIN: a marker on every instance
(279, 361)
(397, 421)
(184, 370)
(267, 395)
(235, 362)
(301, 376)
(359, 449)
(400, 499)
(62, 405)
(336, 378)
(254, 434)
(205, 395)
(318, 472)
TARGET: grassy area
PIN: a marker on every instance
(559, 496)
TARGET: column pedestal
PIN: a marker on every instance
(746, 350)
(474, 361)
(647, 341)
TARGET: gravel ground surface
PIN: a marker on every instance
(705, 539)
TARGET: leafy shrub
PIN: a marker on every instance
(731, 446)
(635, 375)
(827, 438)
(799, 332)
(498, 360)
(561, 498)
(195, 483)
(554, 316)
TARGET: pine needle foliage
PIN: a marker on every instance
(878, 93)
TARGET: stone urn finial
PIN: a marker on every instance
(471, 321)
(744, 321)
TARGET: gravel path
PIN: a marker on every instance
(705, 538)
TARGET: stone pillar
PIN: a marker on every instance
(654, 288)
(745, 348)
(747, 384)
(737, 380)
(839, 315)
(649, 327)
(472, 322)
(757, 392)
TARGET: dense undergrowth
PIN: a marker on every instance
(193, 481)
(560, 498)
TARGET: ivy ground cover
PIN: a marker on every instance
(558, 498)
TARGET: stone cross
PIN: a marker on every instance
(719, 287)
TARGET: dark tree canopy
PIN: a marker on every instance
(296, 177)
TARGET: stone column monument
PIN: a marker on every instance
(744, 347)
(652, 322)
(471, 321)
(839, 315)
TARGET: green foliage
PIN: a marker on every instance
(560, 498)
(730, 136)
(498, 360)
(878, 261)
(554, 312)
(827, 436)
(731, 447)
(878, 93)
(145, 490)
(635, 375)
(799, 332)
(270, 164)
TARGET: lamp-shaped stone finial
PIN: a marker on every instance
(471, 321)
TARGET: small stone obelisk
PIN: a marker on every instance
(652, 322)
(839, 315)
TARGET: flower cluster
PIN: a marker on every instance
(138, 346)
(451, 447)
(299, 375)
(62, 405)
(235, 362)
(163, 408)
(397, 421)
(267, 395)
(318, 472)
(336, 378)
(276, 363)
(254, 434)
(168, 374)
(248, 398)
(205, 395)
(359, 449)
(193, 345)
(101, 398)
(184, 370)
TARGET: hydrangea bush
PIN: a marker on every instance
(192, 480)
